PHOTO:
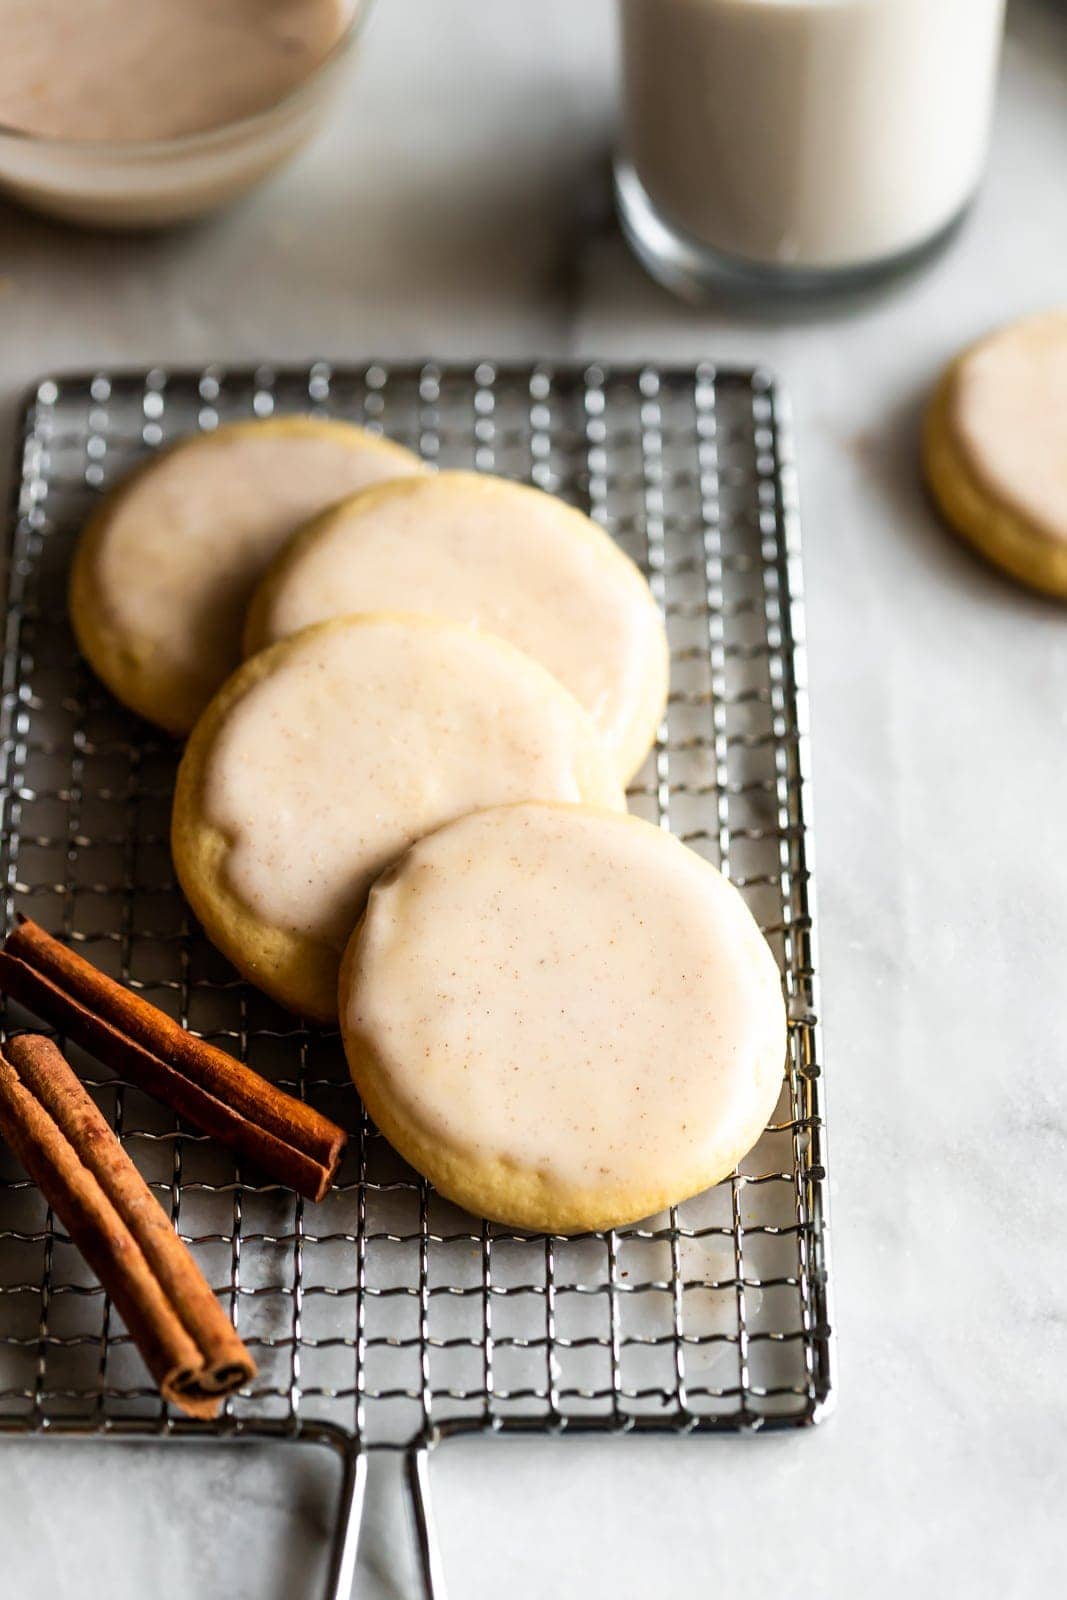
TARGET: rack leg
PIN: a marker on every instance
(430, 1568)
(342, 1571)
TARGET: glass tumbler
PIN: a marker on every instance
(799, 143)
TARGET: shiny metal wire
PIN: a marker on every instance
(384, 1316)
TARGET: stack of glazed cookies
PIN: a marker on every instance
(404, 809)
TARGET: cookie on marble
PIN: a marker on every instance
(325, 756)
(995, 449)
(513, 560)
(562, 1017)
(163, 571)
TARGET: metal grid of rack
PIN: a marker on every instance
(384, 1316)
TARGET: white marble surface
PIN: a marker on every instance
(458, 206)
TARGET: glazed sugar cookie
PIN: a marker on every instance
(562, 1017)
(504, 557)
(163, 572)
(996, 449)
(325, 756)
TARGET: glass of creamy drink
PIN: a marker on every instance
(799, 143)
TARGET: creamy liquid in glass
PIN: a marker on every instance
(808, 133)
(140, 70)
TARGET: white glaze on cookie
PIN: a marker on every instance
(164, 572)
(502, 557)
(564, 1017)
(1008, 415)
(367, 734)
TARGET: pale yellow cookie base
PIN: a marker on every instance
(998, 533)
(128, 663)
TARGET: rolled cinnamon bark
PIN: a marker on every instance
(60, 1136)
(282, 1136)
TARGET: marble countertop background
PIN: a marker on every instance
(459, 206)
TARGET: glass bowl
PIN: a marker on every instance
(152, 183)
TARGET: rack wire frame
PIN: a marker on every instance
(384, 1317)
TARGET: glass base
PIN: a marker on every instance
(694, 271)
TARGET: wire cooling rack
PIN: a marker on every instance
(385, 1317)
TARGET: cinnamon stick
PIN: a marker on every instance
(60, 1136)
(283, 1137)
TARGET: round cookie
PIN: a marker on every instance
(325, 756)
(562, 1017)
(163, 571)
(505, 557)
(995, 449)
